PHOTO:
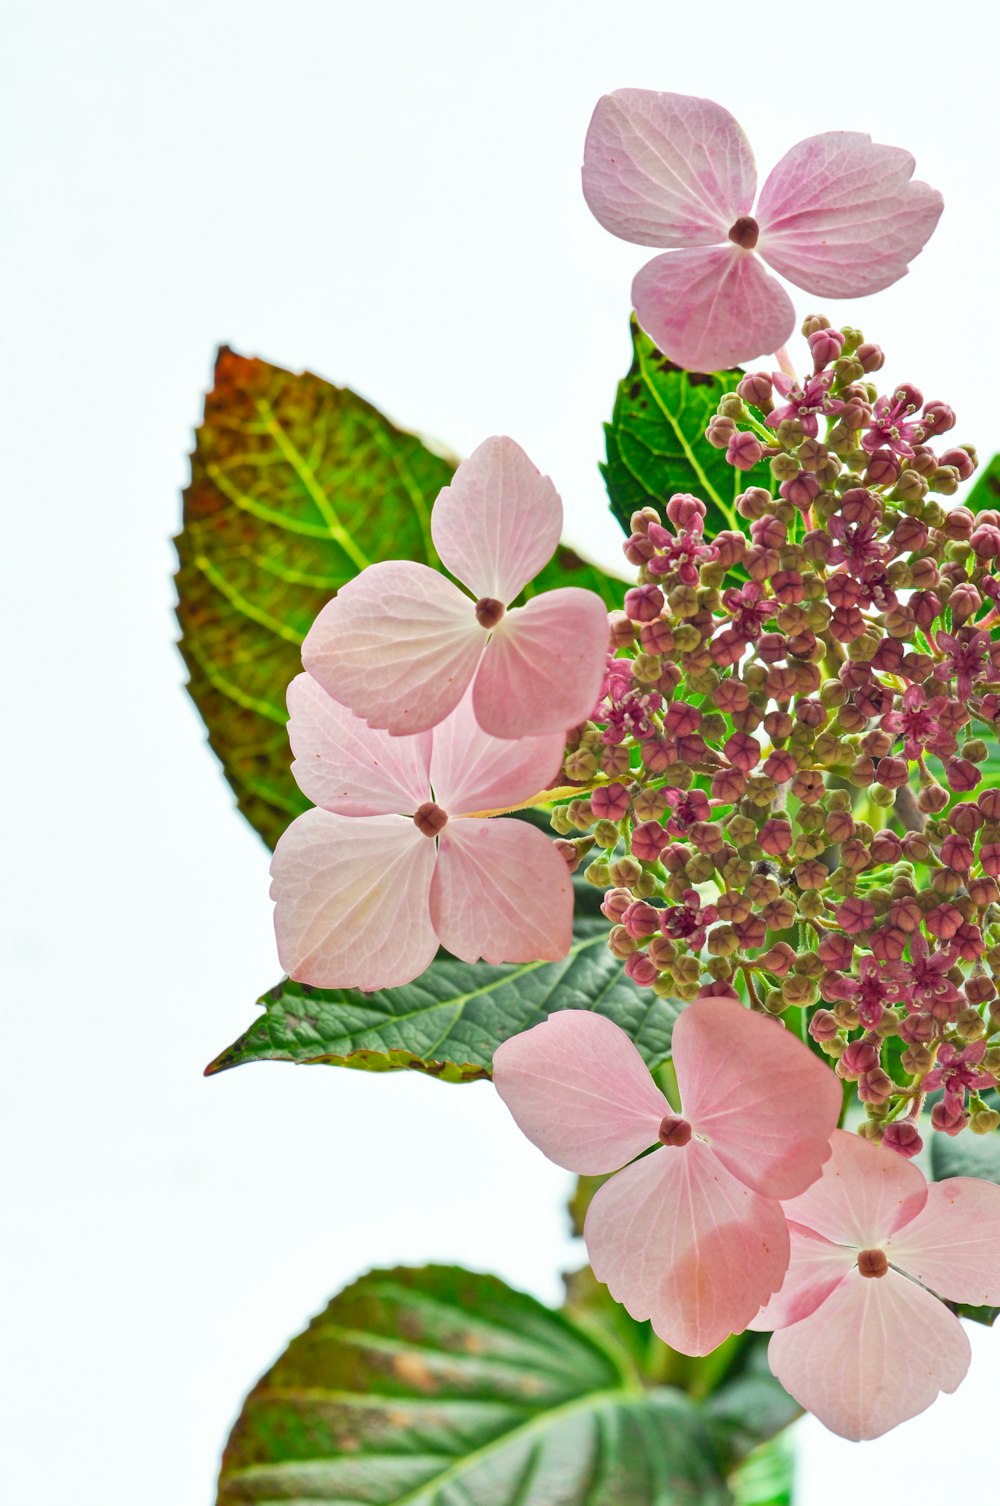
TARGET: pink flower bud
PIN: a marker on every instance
(835, 951)
(903, 1137)
(610, 802)
(826, 345)
(875, 1086)
(742, 751)
(686, 512)
(640, 969)
(648, 841)
(859, 1057)
(949, 1120)
(882, 469)
(855, 915)
(802, 490)
(615, 903)
(872, 357)
(756, 388)
(962, 775)
(823, 1026)
(640, 919)
(961, 461)
(644, 603)
(744, 451)
(937, 418)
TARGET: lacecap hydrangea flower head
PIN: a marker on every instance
(770, 761)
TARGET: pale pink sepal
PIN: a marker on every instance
(351, 900)
(543, 666)
(666, 169)
(471, 771)
(346, 766)
(815, 1267)
(710, 309)
(953, 1244)
(580, 1091)
(502, 892)
(399, 645)
(764, 1102)
(498, 522)
(877, 1351)
(864, 1194)
(680, 1241)
(840, 217)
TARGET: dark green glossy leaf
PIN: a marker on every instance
(437, 1387)
(656, 441)
(451, 1019)
(985, 491)
(296, 485)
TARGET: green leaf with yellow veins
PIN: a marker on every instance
(296, 486)
(438, 1387)
(656, 443)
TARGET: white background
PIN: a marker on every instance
(388, 194)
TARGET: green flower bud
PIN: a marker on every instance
(598, 873)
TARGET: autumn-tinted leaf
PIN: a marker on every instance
(296, 485)
(437, 1387)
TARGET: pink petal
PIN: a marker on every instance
(498, 522)
(351, 900)
(840, 217)
(680, 1241)
(864, 1194)
(543, 667)
(580, 1091)
(472, 771)
(815, 1267)
(399, 645)
(346, 766)
(877, 1351)
(953, 1244)
(666, 169)
(765, 1104)
(502, 892)
(712, 309)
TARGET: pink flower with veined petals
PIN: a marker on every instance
(838, 216)
(369, 884)
(806, 401)
(400, 644)
(957, 1071)
(860, 1340)
(691, 1236)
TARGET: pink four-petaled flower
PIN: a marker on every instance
(860, 1340)
(839, 216)
(692, 1236)
(367, 885)
(400, 644)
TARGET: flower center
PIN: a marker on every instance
(429, 819)
(674, 1131)
(745, 232)
(489, 611)
(872, 1263)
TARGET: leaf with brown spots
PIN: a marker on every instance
(296, 486)
(437, 1387)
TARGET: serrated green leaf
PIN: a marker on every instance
(985, 491)
(296, 485)
(656, 440)
(437, 1387)
(450, 1020)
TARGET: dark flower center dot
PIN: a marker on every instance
(872, 1263)
(744, 232)
(429, 819)
(489, 611)
(674, 1131)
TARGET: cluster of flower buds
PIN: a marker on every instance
(785, 789)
